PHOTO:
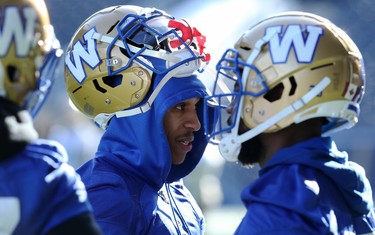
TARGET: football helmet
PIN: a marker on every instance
(115, 54)
(286, 69)
(29, 53)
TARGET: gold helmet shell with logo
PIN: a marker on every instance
(286, 69)
(28, 52)
(98, 92)
(304, 50)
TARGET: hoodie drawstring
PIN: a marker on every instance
(176, 212)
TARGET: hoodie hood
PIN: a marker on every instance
(322, 154)
(138, 144)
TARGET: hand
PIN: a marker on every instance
(23, 130)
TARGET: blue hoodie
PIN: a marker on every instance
(133, 163)
(39, 190)
(309, 188)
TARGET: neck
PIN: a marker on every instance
(289, 136)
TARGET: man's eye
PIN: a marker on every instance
(180, 107)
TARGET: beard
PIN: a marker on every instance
(251, 152)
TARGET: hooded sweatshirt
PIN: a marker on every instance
(129, 181)
(38, 189)
(309, 188)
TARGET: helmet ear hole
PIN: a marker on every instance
(275, 93)
(113, 81)
(13, 73)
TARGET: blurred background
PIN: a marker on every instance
(215, 184)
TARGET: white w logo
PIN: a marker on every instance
(15, 30)
(89, 55)
(304, 48)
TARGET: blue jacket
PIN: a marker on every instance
(309, 188)
(133, 163)
(39, 190)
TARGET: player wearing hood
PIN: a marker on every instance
(132, 70)
(295, 78)
(39, 192)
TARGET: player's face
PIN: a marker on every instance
(180, 123)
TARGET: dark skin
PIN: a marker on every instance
(261, 148)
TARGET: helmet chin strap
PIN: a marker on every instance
(230, 145)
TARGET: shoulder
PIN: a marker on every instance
(282, 180)
(288, 187)
(286, 196)
(51, 158)
(37, 159)
(120, 203)
(120, 200)
(123, 193)
(48, 150)
(271, 219)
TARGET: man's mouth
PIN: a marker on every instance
(187, 142)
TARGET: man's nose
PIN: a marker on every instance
(193, 121)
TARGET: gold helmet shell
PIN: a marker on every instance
(28, 40)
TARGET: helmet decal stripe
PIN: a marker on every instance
(350, 91)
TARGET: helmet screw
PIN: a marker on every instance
(107, 101)
(140, 73)
(261, 112)
(136, 96)
(247, 110)
(132, 83)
